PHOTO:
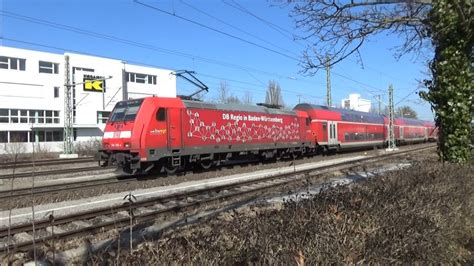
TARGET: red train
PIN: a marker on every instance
(158, 134)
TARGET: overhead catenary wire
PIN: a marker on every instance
(142, 45)
(151, 47)
(216, 30)
(164, 50)
(272, 25)
(286, 33)
(238, 38)
(235, 27)
(144, 64)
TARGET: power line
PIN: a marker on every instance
(235, 37)
(234, 27)
(281, 30)
(140, 45)
(154, 48)
(408, 95)
(216, 30)
(266, 22)
(144, 64)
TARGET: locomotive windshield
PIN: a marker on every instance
(125, 111)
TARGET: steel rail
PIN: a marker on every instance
(54, 172)
(249, 187)
(54, 188)
(23, 164)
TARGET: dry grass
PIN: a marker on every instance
(423, 214)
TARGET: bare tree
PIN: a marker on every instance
(406, 111)
(223, 92)
(340, 28)
(337, 30)
(247, 98)
(232, 99)
(224, 96)
(273, 94)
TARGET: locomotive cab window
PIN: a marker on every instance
(308, 121)
(125, 111)
(161, 114)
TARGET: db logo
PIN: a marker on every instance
(117, 134)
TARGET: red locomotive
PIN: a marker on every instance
(171, 133)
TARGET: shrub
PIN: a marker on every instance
(87, 148)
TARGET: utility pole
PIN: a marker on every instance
(328, 82)
(68, 113)
(391, 132)
(124, 83)
(379, 103)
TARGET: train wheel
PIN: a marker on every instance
(206, 164)
(279, 155)
(170, 169)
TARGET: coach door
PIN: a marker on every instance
(332, 133)
(174, 124)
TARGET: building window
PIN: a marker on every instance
(4, 116)
(56, 117)
(141, 78)
(18, 136)
(48, 67)
(46, 135)
(56, 92)
(24, 116)
(102, 117)
(29, 116)
(3, 136)
(83, 69)
(13, 116)
(12, 63)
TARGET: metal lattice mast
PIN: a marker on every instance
(68, 123)
(391, 130)
(379, 101)
(328, 82)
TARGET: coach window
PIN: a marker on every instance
(161, 114)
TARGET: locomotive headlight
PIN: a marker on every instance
(127, 145)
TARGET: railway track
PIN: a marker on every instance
(147, 210)
(54, 172)
(38, 163)
(56, 188)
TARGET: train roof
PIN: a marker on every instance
(346, 114)
(412, 122)
(236, 107)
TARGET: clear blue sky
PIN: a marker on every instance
(176, 44)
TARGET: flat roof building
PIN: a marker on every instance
(355, 102)
(32, 94)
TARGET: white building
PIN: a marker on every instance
(356, 103)
(32, 93)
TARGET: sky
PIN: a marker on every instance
(246, 47)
